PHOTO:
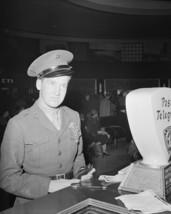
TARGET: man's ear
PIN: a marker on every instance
(38, 84)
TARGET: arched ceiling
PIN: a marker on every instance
(95, 19)
(132, 7)
(79, 21)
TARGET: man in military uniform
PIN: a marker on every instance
(41, 150)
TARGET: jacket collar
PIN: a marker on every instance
(36, 111)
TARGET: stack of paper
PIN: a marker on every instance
(146, 202)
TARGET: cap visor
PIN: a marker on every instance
(58, 73)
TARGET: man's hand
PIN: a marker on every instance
(56, 185)
(85, 172)
(88, 176)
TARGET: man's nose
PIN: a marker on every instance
(57, 90)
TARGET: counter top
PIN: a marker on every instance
(64, 199)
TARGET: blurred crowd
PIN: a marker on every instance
(106, 104)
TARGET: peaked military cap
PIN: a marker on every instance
(51, 64)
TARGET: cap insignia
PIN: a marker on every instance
(57, 56)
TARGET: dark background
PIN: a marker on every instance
(27, 26)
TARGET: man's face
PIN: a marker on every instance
(53, 90)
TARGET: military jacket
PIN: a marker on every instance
(33, 150)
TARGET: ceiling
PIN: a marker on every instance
(87, 19)
(132, 7)
(98, 23)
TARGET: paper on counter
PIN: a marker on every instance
(146, 202)
(112, 178)
(115, 178)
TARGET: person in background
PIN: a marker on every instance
(95, 132)
(20, 105)
(84, 136)
(41, 149)
(95, 102)
(86, 105)
(122, 100)
(107, 108)
(122, 116)
(4, 118)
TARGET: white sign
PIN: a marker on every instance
(149, 116)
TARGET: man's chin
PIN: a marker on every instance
(54, 105)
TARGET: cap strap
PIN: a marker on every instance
(50, 70)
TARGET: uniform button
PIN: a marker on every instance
(59, 140)
(59, 153)
(60, 165)
(35, 144)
